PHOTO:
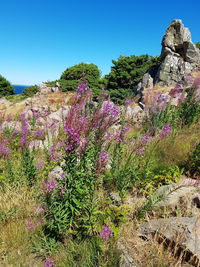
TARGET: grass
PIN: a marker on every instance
(18, 203)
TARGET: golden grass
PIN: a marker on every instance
(175, 151)
(17, 201)
(15, 247)
(147, 253)
(17, 206)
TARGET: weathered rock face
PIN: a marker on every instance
(181, 234)
(179, 56)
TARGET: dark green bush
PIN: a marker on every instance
(5, 87)
(80, 73)
(127, 72)
(198, 45)
(30, 91)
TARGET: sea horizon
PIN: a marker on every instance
(19, 88)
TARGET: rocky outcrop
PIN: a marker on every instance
(179, 56)
(182, 235)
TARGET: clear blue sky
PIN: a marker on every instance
(41, 38)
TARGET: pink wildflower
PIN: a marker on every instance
(106, 232)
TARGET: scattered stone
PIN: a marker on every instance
(173, 193)
(134, 112)
(116, 199)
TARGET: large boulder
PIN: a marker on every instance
(179, 56)
(181, 234)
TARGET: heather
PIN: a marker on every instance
(72, 190)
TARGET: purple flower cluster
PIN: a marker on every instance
(82, 88)
(30, 226)
(39, 134)
(155, 101)
(128, 101)
(40, 165)
(141, 152)
(120, 134)
(54, 155)
(110, 109)
(145, 139)
(103, 156)
(106, 232)
(165, 131)
(49, 262)
(196, 86)
(50, 186)
(24, 131)
(4, 151)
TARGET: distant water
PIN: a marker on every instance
(19, 88)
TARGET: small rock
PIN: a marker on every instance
(115, 197)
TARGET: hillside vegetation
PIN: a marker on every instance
(71, 193)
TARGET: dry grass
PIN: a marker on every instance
(175, 151)
(17, 202)
(17, 206)
(15, 248)
(147, 253)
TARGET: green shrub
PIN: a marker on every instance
(127, 72)
(198, 45)
(5, 87)
(30, 91)
(80, 73)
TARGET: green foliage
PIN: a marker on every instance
(30, 91)
(190, 109)
(127, 72)
(158, 177)
(198, 45)
(15, 98)
(170, 116)
(148, 206)
(193, 163)
(74, 212)
(28, 166)
(80, 73)
(5, 87)
(119, 95)
(124, 169)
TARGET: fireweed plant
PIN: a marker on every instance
(71, 199)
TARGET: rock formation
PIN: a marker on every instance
(179, 56)
(179, 233)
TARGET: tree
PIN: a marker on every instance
(5, 87)
(83, 72)
(198, 45)
(127, 72)
(30, 91)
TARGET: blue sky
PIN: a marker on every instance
(41, 38)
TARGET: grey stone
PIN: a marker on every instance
(172, 194)
(179, 56)
(182, 234)
(126, 259)
(115, 197)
